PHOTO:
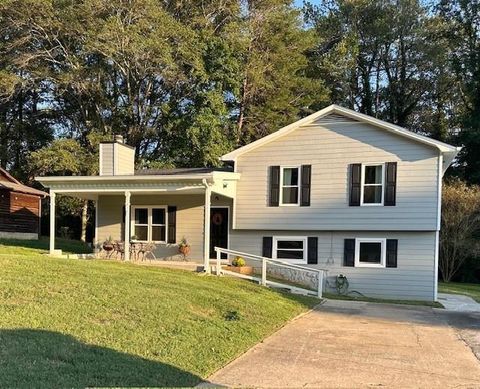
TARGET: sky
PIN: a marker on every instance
(299, 3)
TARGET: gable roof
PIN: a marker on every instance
(448, 151)
(12, 184)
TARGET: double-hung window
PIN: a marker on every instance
(289, 185)
(372, 184)
(290, 248)
(370, 252)
(149, 224)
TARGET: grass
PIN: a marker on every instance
(471, 290)
(40, 246)
(79, 323)
(333, 296)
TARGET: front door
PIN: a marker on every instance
(218, 230)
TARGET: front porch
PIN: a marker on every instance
(158, 209)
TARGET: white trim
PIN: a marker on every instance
(206, 227)
(383, 257)
(149, 224)
(276, 239)
(127, 226)
(52, 222)
(280, 196)
(449, 150)
(95, 241)
(362, 182)
(229, 216)
(437, 232)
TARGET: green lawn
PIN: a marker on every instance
(40, 246)
(472, 290)
(78, 323)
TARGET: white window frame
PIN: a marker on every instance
(359, 241)
(298, 186)
(149, 222)
(382, 164)
(277, 239)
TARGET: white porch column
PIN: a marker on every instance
(95, 239)
(206, 230)
(127, 226)
(52, 222)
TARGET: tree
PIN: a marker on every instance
(463, 34)
(460, 223)
(68, 157)
(276, 87)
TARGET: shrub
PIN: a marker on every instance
(460, 224)
(238, 262)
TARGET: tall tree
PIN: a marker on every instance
(463, 19)
(276, 87)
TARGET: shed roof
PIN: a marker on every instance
(10, 183)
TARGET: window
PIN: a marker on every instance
(290, 248)
(149, 224)
(370, 252)
(289, 185)
(372, 184)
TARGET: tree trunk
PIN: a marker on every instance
(83, 236)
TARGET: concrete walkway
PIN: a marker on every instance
(356, 344)
(458, 303)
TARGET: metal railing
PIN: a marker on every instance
(264, 261)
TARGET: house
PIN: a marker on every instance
(337, 190)
(20, 208)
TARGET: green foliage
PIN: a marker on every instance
(238, 262)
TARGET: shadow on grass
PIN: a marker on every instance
(67, 245)
(36, 358)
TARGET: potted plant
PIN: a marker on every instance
(239, 266)
(108, 244)
(184, 248)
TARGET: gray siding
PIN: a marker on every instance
(330, 146)
(189, 221)
(412, 279)
(106, 159)
(125, 160)
(190, 210)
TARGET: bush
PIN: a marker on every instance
(238, 262)
(460, 225)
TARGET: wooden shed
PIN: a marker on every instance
(20, 208)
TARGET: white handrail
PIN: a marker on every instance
(265, 260)
(271, 260)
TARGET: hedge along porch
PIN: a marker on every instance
(162, 208)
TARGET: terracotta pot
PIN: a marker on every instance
(184, 250)
(107, 246)
(248, 270)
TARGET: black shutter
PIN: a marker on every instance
(305, 191)
(267, 246)
(312, 250)
(349, 253)
(355, 183)
(274, 197)
(392, 248)
(390, 183)
(172, 224)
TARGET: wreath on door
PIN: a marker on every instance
(217, 219)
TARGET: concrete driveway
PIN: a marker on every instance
(354, 344)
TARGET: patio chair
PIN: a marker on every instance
(147, 249)
(119, 249)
